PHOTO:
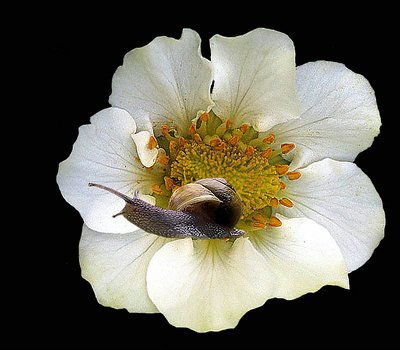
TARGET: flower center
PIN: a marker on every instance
(250, 162)
(254, 179)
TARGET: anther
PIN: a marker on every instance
(172, 145)
(192, 129)
(259, 218)
(269, 139)
(286, 202)
(259, 221)
(197, 138)
(204, 117)
(267, 153)
(182, 141)
(163, 160)
(274, 221)
(244, 127)
(274, 202)
(164, 129)
(287, 147)
(249, 150)
(293, 175)
(282, 185)
(228, 124)
(281, 169)
(215, 142)
(156, 189)
(169, 183)
(152, 143)
(220, 146)
(233, 140)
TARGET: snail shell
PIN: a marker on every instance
(205, 209)
(213, 198)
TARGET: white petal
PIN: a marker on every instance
(302, 256)
(255, 78)
(116, 267)
(339, 115)
(340, 197)
(104, 153)
(207, 285)
(168, 79)
(146, 155)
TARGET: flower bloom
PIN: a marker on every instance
(283, 137)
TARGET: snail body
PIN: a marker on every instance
(205, 209)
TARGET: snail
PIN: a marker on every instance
(205, 209)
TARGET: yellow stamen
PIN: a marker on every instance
(163, 160)
(228, 124)
(281, 169)
(287, 147)
(244, 127)
(293, 175)
(204, 117)
(274, 203)
(152, 143)
(156, 189)
(286, 202)
(269, 139)
(282, 185)
(274, 221)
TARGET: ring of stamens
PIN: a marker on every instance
(250, 162)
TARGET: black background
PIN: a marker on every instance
(78, 54)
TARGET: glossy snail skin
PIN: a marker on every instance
(211, 218)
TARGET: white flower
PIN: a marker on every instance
(313, 219)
